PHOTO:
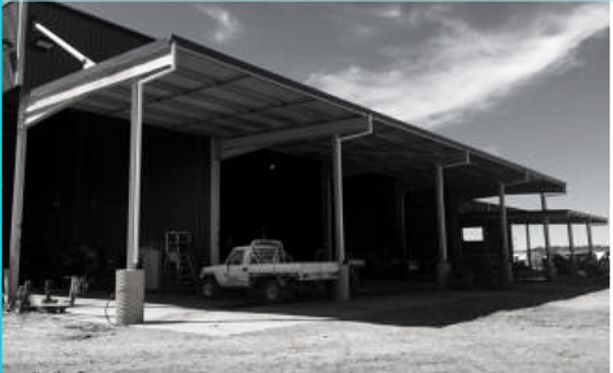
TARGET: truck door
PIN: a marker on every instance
(237, 269)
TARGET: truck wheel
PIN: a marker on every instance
(210, 289)
(271, 291)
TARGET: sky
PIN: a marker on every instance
(525, 81)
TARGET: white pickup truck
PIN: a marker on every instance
(266, 270)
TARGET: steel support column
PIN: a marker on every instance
(19, 171)
(214, 200)
(136, 143)
(443, 267)
(507, 269)
(590, 243)
(528, 246)
(342, 288)
(549, 267)
(130, 282)
(571, 248)
(326, 212)
(19, 176)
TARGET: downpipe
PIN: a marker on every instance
(343, 284)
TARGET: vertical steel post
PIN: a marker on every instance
(590, 243)
(215, 201)
(507, 271)
(326, 213)
(19, 176)
(136, 142)
(571, 248)
(339, 227)
(440, 209)
(528, 246)
(20, 156)
(443, 264)
(549, 267)
(22, 33)
(342, 285)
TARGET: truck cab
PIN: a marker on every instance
(235, 272)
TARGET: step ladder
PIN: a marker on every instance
(179, 261)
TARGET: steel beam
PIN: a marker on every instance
(51, 97)
(271, 138)
(71, 50)
(73, 94)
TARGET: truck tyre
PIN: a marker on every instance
(209, 288)
(271, 291)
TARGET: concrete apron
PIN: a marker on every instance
(212, 318)
(130, 296)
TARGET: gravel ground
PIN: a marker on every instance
(561, 327)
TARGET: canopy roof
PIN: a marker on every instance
(248, 108)
(479, 211)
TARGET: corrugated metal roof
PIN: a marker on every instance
(539, 217)
(477, 211)
(216, 95)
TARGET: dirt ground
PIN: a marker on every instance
(560, 327)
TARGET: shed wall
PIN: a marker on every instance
(77, 189)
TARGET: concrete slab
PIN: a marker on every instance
(204, 321)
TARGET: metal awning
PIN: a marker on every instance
(480, 211)
(212, 94)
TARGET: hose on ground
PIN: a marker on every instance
(107, 316)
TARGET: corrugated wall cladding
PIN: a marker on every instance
(97, 39)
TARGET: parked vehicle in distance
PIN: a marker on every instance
(265, 270)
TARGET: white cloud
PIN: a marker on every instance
(463, 69)
(390, 11)
(227, 25)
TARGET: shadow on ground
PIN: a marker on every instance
(423, 307)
